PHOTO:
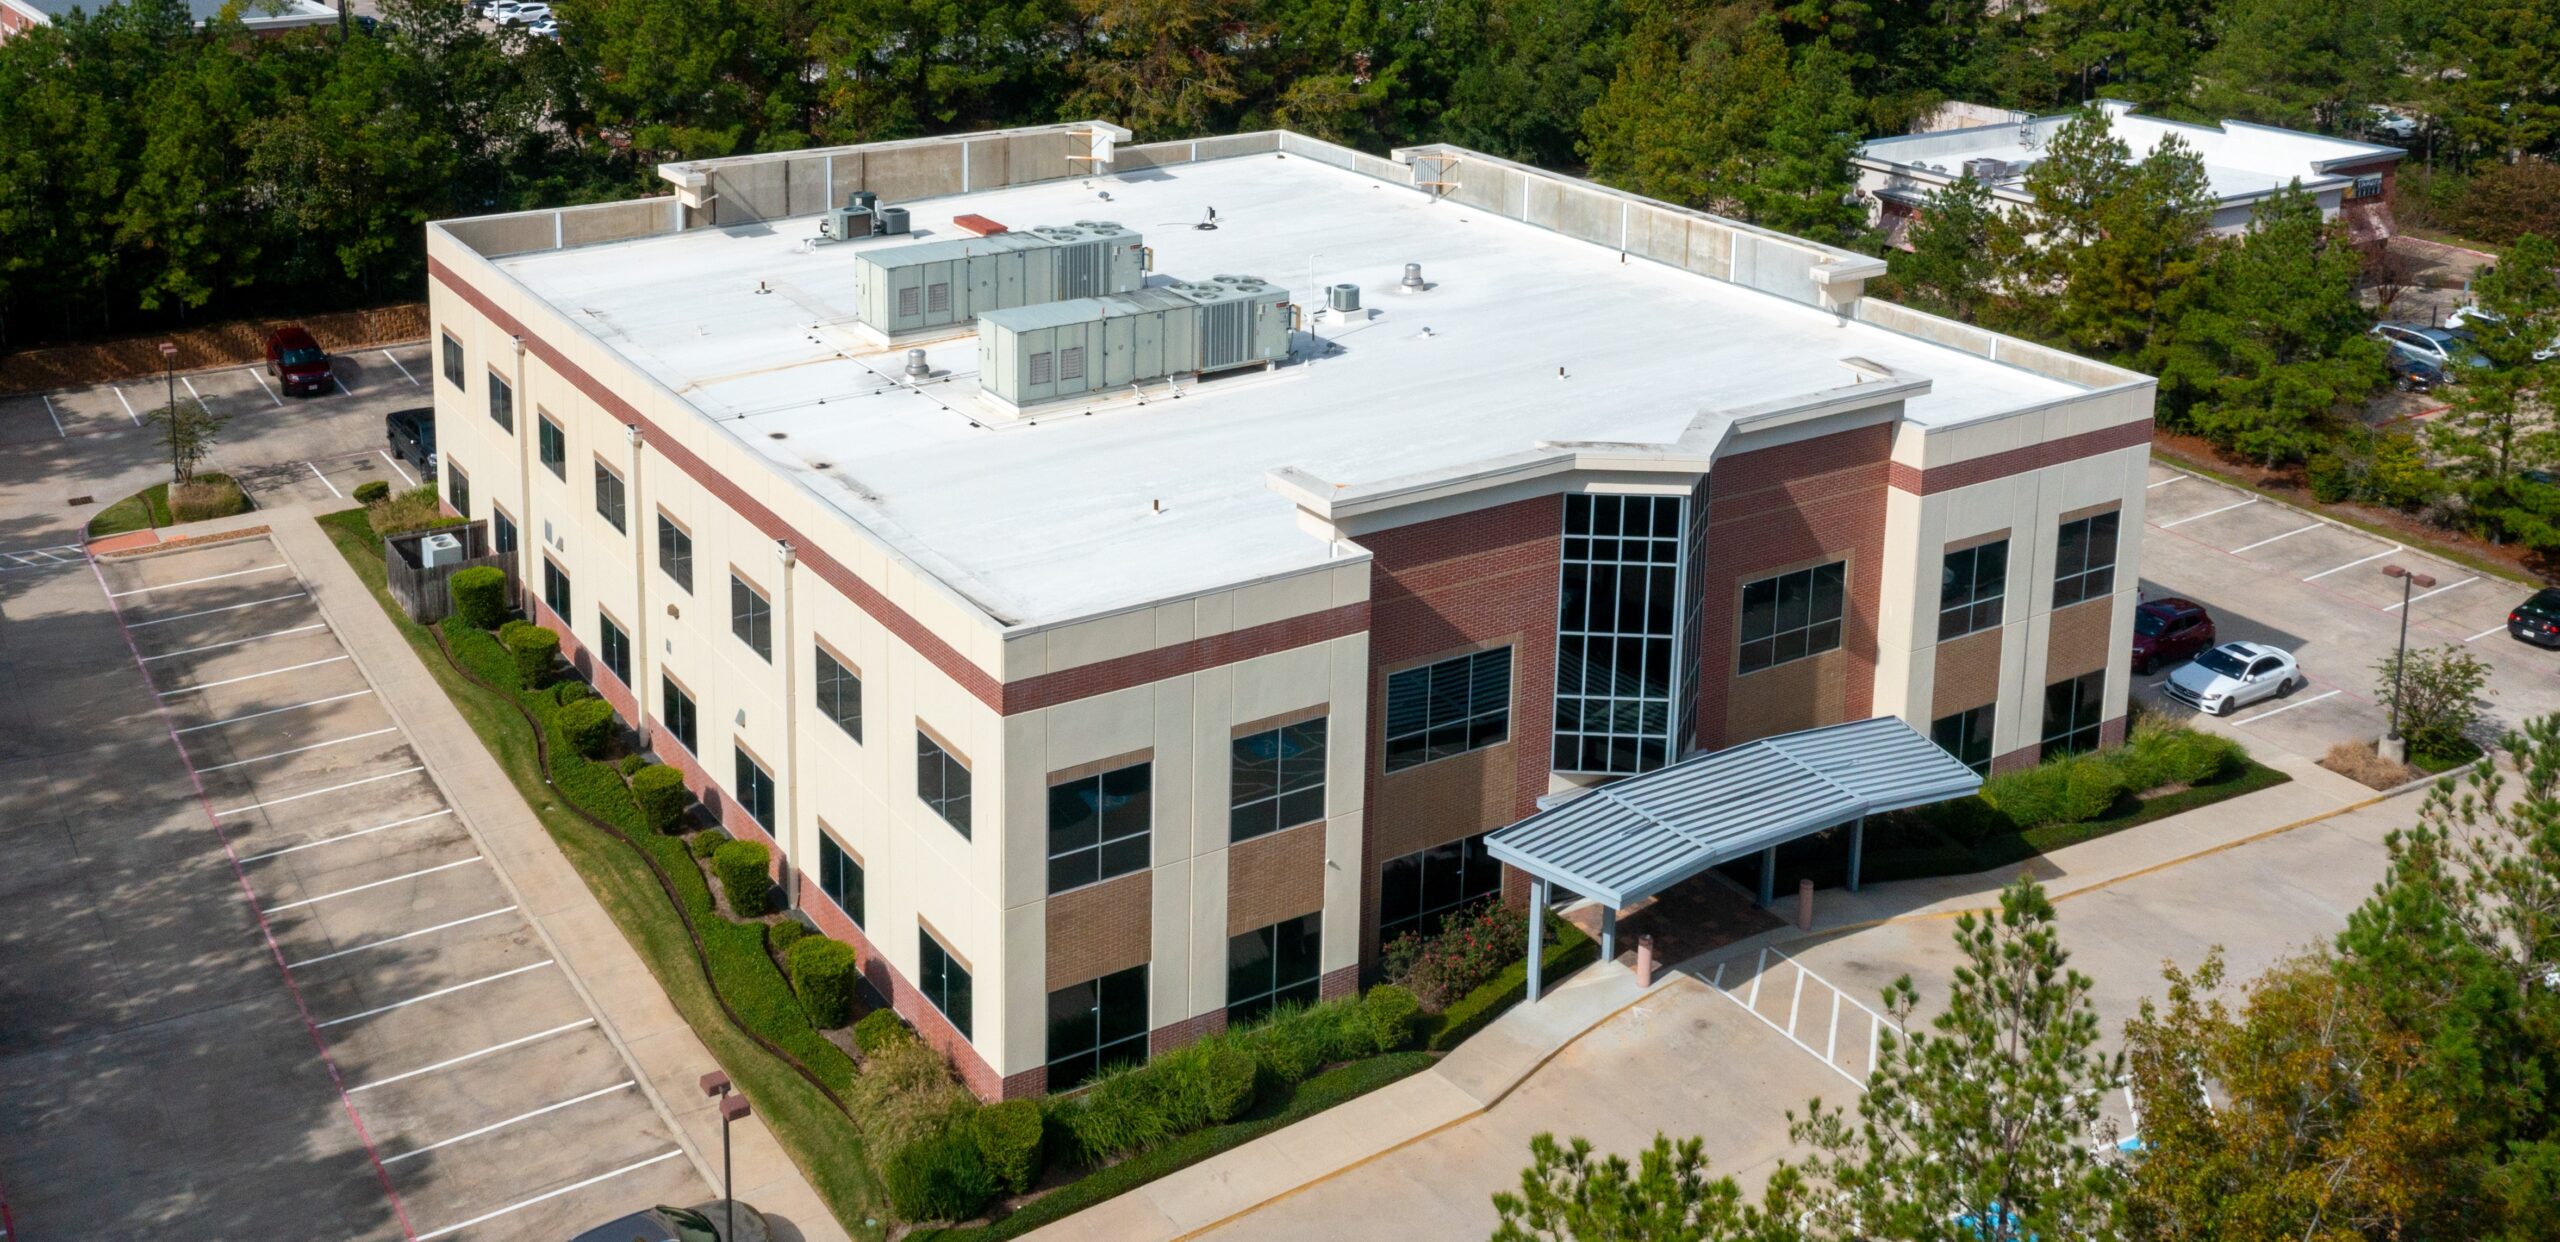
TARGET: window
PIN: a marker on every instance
(1967, 736)
(555, 449)
(943, 782)
(675, 710)
(1272, 966)
(2368, 186)
(1448, 708)
(840, 694)
(1792, 616)
(943, 980)
(755, 788)
(555, 589)
(609, 496)
(616, 647)
(1096, 1025)
(1971, 589)
(502, 403)
(457, 489)
(2071, 712)
(1276, 780)
(1617, 626)
(750, 617)
(840, 877)
(503, 530)
(2084, 560)
(452, 360)
(1098, 826)
(675, 553)
(1417, 892)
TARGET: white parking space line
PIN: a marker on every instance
(128, 406)
(2282, 710)
(2427, 595)
(2287, 535)
(2171, 479)
(324, 480)
(495, 1126)
(190, 616)
(450, 1062)
(277, 711)
(48, 413)
(242, 763)
(342, 384)
(387, 776)
(237, 573)
(262, 384)
(424, 997)
(254, 638)
(2495, 629)
(313, 901)
(233, 681)
(191, 391)
(2194, 517)
(395, 464)
(485, 1218)
(376, 944)
(2352, 564)
(349, 836)
(404, 371)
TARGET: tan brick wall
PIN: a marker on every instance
(1100, 928)
(1273, 877)
(1968, 673)
(1799, 694)
(2080, 640)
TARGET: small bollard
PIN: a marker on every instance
(1644, 961)
(1804, 905)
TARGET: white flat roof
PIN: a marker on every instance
(1103, 506)
(2241, 160)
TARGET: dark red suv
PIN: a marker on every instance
(2167, 630)
(297, 361)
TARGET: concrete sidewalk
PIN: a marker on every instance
(591, 950)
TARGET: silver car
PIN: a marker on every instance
(2234, 675)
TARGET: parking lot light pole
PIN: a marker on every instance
(2394, 747)
(732, 1107)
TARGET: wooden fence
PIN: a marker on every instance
(421, 591)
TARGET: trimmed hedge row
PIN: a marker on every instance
(824, 973)
(2084, 787)
(588, 723)
(662, 797)
(1567, 949)
(745, 869)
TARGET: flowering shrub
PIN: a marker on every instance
(1473, 946)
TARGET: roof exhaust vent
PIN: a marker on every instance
(917, 368)
(1413, 278)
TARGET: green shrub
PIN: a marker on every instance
(1470, 948)
(588, 724)
(372, 492)
(1389, 1012)
(662, 797)
(1008, 1137)
(941, 1177)
(571, 690)
(878, 1029)
(479, 596)
(745, 871)
(781, 934)
(2160, 755)
(1568, 949)
(707, 842)
(415, 509)
(823, 973)
(1122, 1112)
(1968, 820)
(904, 1095)
(2331, 479)
(206, 496)
(534, 648)
(1227, 1082)
(1289, 1044)
(2063, 791)
(630, 765)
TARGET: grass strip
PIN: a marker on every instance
(816, 1134)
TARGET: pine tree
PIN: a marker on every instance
(1950, 266)
(2499, 426)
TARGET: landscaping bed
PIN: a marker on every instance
(218, 496)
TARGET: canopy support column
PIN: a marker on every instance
(1857, 849)
(1608, 933)
(1769, 877)
(1537, 935)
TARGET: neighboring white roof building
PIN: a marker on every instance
(260, 16)
(2243, 163)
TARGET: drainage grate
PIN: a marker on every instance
(77, 501)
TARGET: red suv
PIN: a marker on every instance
(2167, 630)
(296, 360)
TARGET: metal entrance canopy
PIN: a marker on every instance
(1627, 841)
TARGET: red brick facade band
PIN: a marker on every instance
(1989, 466)
(1145, 667)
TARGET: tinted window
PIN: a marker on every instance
(1967, 736)
(609, 495)
(943, 782)
(616, 647)
(302, 357)
(1448, 708)
(1271, 966)
(555, 448)
(2084, 561)
(839, 694)
(1096, 1025)
(1099, 826)
(675, 711)
(1792, 615)
(750, 617)
(1972, 585)
(943, 980)
(2071, 713)
(1276, 779)
(675, 552)
(755, 790)
(840, 877)
(1417, 892)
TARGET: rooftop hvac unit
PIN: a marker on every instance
(1987, 171)
(1343, 297)
(438, 551)
(906, 290)
(1035, 354)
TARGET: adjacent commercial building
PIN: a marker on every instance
(2244, 163)
(19, 16)
(1127, 587)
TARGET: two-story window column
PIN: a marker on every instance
(527, 542)
(786, 820)
(640, 535)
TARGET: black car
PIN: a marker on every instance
(660, 1224)
(2537, 620)
(413, 437)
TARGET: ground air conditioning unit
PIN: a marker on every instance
(439, 551)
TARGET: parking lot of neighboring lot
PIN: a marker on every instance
(2274, 574)
(449, 1080)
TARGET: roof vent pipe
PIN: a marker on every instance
(1413, 278)
(916, 366)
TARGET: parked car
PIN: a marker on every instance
(2234, 675)
(2537, 619)
(2410, 374)
(2449, 350)
(2168, 630)
(544, 27)
(2473, 318)
(413, 437)
(523, 13)
(660, 1224)
(297, 361)
(2385, 121)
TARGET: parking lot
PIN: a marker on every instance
(2273, 574)
(398, 1053)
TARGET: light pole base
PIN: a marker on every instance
(751, 1223)
(2395, 749)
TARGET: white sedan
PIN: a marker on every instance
(2234, 675)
